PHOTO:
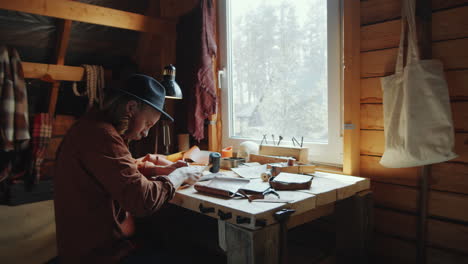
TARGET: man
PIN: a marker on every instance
(97, 182)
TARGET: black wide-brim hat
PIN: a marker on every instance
(146, 89)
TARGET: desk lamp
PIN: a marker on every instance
(173, 91)
(172, 88)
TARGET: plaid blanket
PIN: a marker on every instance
(41, 134)
(14, 127)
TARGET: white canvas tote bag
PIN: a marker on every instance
(417, 116)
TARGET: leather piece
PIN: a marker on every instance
(277, 185)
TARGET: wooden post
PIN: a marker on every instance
(250, 246)
(214, 144)
(64, 29)
(354, 228)
(422, 219)
(424, 17)
(351, 85)
(215, 125)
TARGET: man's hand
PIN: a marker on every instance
(157, 159)
(150, 169)
(188, 175)
(179, 164)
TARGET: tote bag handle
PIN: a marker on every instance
(408, 12)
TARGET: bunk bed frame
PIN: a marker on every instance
(69, 11)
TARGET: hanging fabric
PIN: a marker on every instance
(94, 85)
(196, 48)
(41, 134)
(14, 102)
(14, 119)
(417, 116)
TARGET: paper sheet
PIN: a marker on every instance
(197, 155)
(292, 178)
(226, 183)
(256, 185)
(249, 164)
(250, 172)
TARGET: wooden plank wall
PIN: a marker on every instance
(396, 190)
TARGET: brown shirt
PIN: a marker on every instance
(95, 181)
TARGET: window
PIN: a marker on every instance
(282, 73)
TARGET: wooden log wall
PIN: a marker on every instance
(396, 190)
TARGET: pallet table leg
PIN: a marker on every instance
(222, 234)
(354, 226)
(249, 246)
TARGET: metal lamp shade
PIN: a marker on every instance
(173, 90)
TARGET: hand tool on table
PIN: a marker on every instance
(264, 139)
(214, 162)
(297, 142)
(255, 196)
(213, 167)
(279, 141)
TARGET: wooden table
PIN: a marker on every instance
(249, 232)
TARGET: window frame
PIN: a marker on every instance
(331, 153)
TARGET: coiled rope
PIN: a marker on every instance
(94, 85)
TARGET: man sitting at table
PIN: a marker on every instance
(98, 184)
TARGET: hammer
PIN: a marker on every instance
(215, 162)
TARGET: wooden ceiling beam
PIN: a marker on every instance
(76, 11)
(57, 72)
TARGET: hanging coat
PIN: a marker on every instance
(14, 102)
(14, 127)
